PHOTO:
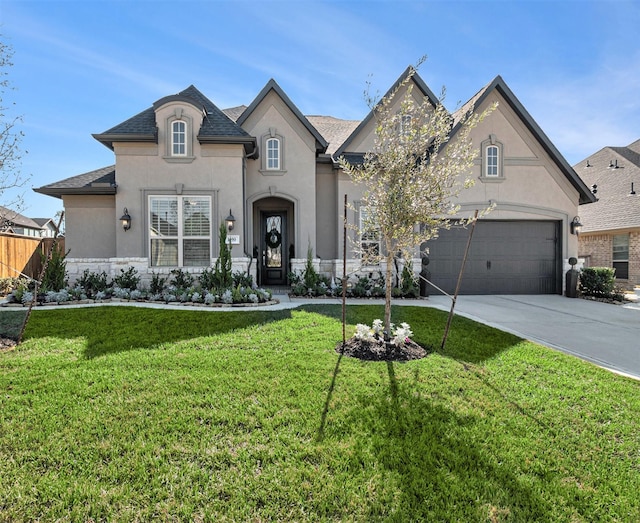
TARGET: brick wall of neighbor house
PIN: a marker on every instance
(597, 251)
(634, 258)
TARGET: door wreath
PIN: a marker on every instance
(273, 239)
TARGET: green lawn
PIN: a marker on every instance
(132, 414)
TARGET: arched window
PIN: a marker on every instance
(273, 154)
(179, 138)
(492, 163)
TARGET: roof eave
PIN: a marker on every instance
(585, 195)
(249, 143)
(419, 82)
(109, 139)
(58, 192)
(272, 85)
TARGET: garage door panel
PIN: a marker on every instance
(519, 257)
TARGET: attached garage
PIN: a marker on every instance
(505, 257)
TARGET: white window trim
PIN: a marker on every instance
(276, 159)
(489, 165)
(362, 211)
(485, 177)
(264, 140)
(174, 134)
(180, 237)
(179, 116)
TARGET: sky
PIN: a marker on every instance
(82, 67)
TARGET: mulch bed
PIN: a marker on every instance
(379, 351)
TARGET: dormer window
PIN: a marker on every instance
(179, 138)
(178, 133)
(273, 154)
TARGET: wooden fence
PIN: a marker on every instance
(20, 255)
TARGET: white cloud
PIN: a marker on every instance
(585, 113)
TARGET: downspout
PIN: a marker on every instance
(245, 211)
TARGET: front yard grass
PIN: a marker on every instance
(133, 414)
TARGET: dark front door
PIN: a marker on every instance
(274, 253)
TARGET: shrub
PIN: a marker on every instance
(55, 275)
(181, 279)
(243, 279)
(8, 285)
(128, 279)
(93, 282)
(597, 281)
(309, 282)
(222, 267)
(157, 283)
(408, 282)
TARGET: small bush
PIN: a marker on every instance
(157, 283)
(242, 279)
(93, 282)
(128, 279)
(8, 285)
(181, 279)
(55, 275)
(597, 281)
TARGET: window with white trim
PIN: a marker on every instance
(273, 154)
(369, 237)
(178, 138)
(180, 231)
(491, 162)
(405, 125)
(621, 256)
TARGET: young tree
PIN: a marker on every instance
(10, 136)
(413, 174)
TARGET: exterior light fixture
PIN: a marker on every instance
(632, 193)
(576, 226)
(230, 221)
(125, 220)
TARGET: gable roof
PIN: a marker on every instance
(419, 82)
(100, 181)
(10, 218)
(272, 85)
(612, 170)
(499, 85)
(216, 126)
(334, 130)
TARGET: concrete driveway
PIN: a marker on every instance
(607, 335)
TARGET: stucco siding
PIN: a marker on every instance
(329, 215)
(90, 226)
(209, 170)
(296, 181)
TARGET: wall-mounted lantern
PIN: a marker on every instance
(576, 226)
(230, 221)
(125, 220)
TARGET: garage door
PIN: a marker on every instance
(515, 257)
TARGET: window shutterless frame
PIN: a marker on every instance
(179, 231)
(178, 138)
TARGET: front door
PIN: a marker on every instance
(274, 253)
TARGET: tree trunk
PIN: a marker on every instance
(387, 295)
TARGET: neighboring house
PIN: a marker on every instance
(15, 223)
(49, 229)
(610, 235)
(183, 166)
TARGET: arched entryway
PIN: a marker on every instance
(273, 238)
